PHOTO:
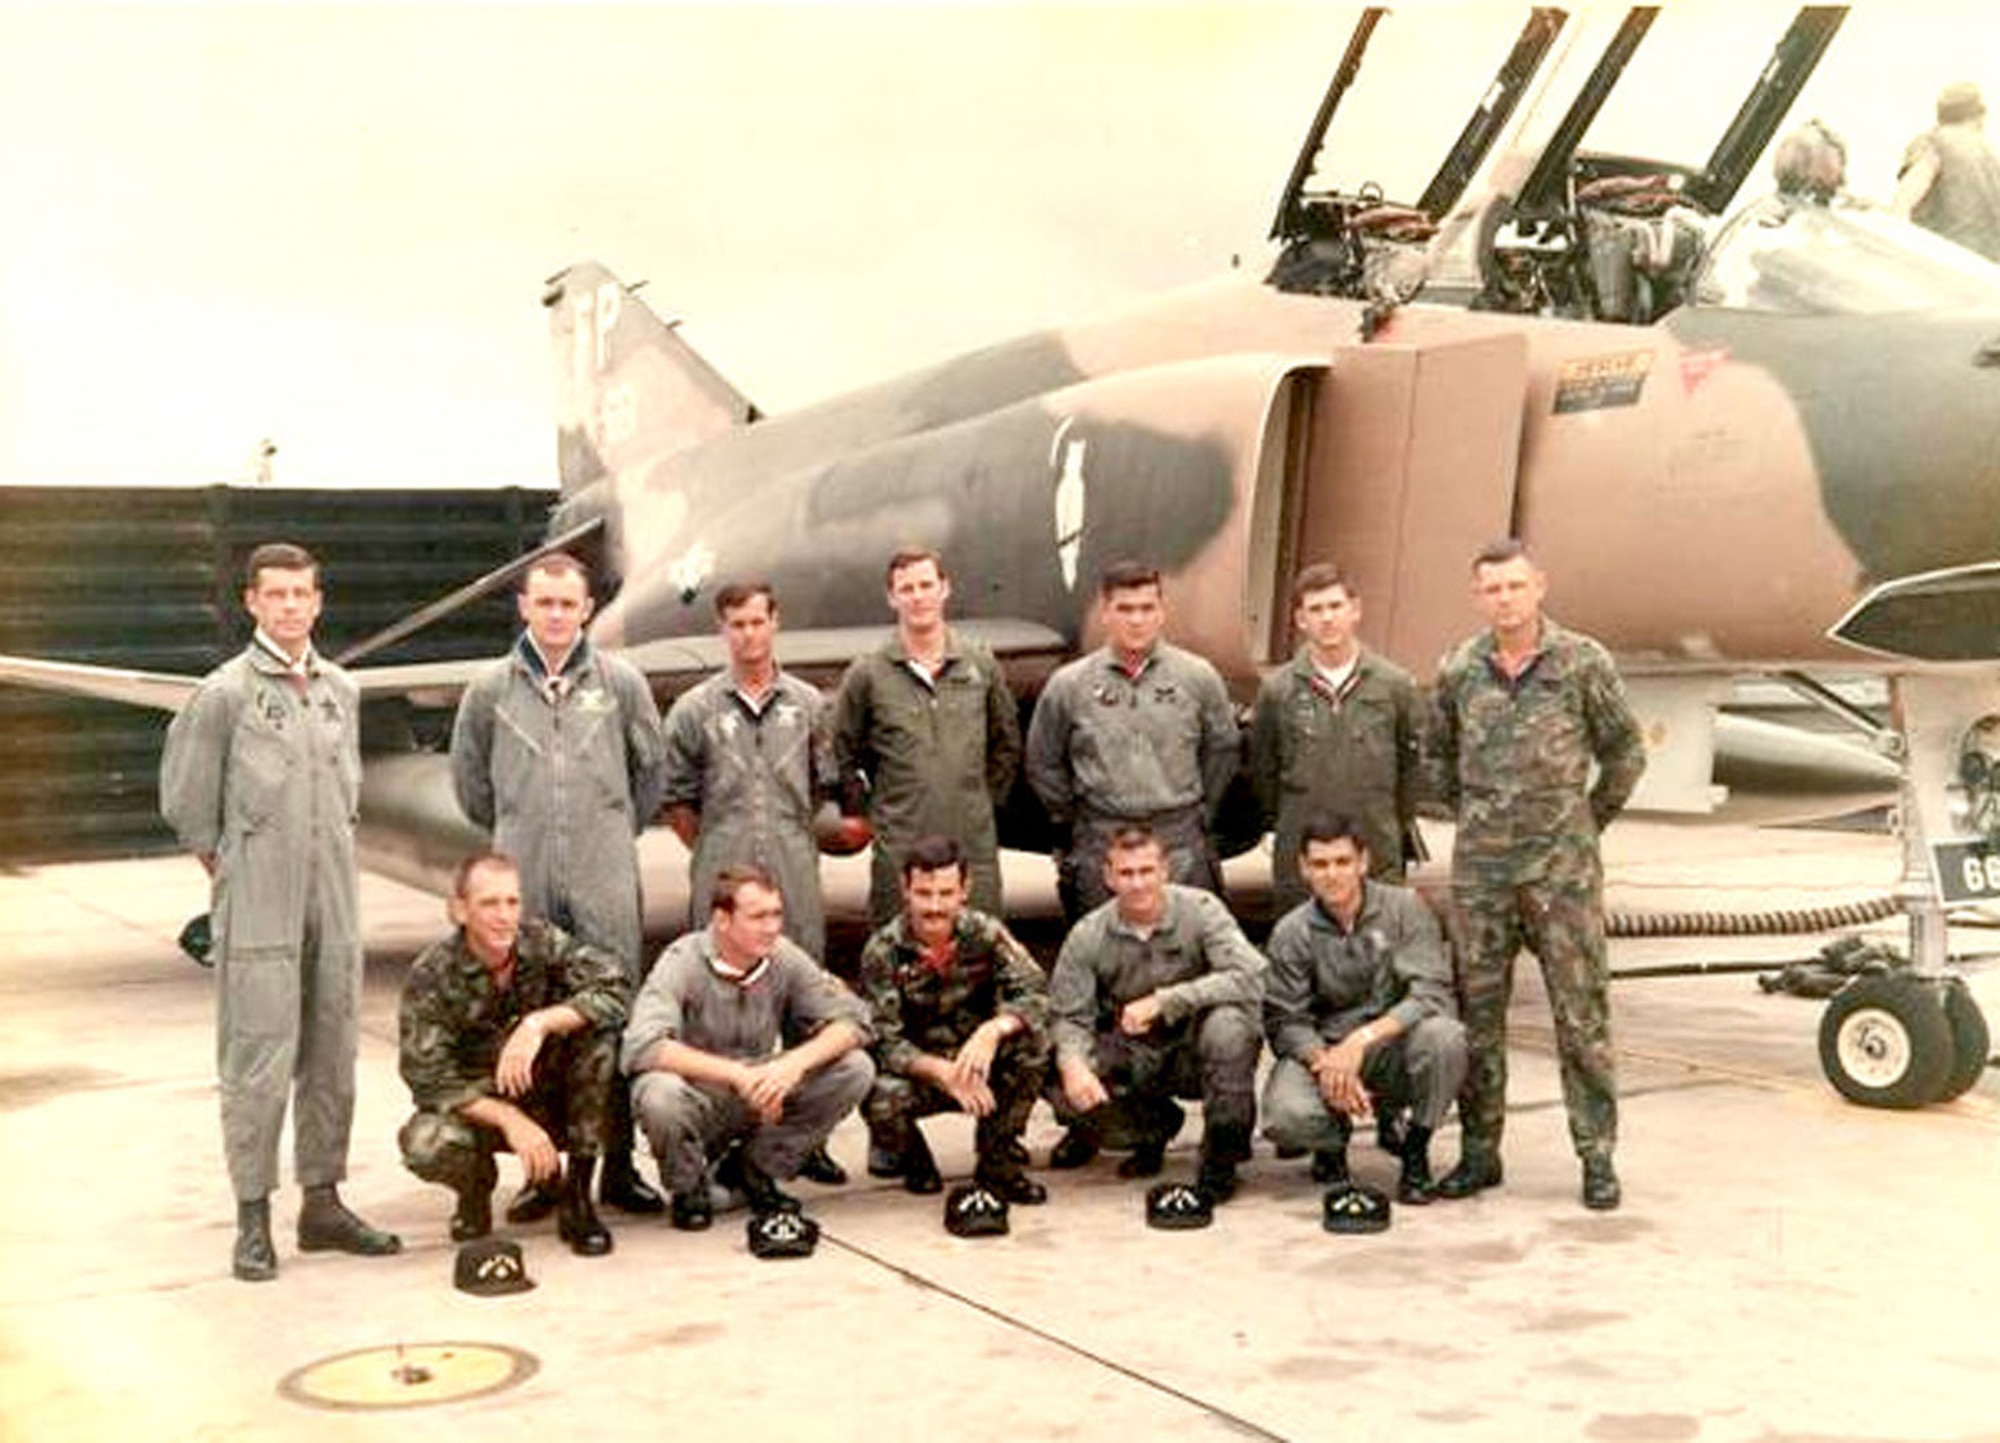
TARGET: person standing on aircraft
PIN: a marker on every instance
(961, 1022)
(1359, 1011)
(739, 1036)
(556, 750)
(1138, 733)
(749, 760)
(1950, 178)
(261, 780)
(1810, 164)
(1523, 712)
(927, 730)
(1339, 729)
(1154, 996)
(510, 1033)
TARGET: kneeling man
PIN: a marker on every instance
(1154, 996)
(1359, 1010)
(961, 1021)
(738, 1035)
(510, 1043)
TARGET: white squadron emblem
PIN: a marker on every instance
(1066, 456)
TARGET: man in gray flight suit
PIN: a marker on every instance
(1137, 733)
(739, 1036)
(1339, 729)
(1358, 1006)
(926, 729)
(1154, 996)
(260, 780)
(749, 768)
(557, 751)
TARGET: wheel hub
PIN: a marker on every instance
(1874, 1047)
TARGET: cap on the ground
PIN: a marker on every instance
(491, 1268)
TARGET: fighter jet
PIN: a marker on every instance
(1759, 441)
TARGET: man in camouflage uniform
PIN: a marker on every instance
(1154, 996)
(1522, 712)
(261, 780)
(927, 731)
(510, 1043)
(1358, 1006)
(739, 1037)
(961, 1022)
(1137, 733)
(1339, 729)
(556, 750)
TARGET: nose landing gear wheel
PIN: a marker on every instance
(1884, 1041)
(1970, 1041)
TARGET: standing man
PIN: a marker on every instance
(1155, 996)
(961, 1022)
(749, 762)
(1138, 733)
(1359, 1011)
(1524, 710)
(926, 729)
(739, 1036)
(510, 1043)
(1338, 730)
(1950, 177)
(556, 750)
(260, 780)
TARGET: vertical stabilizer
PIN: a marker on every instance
(628, 388)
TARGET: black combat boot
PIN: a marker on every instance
(1223, 1145)
(1076, 1147)
(1329, 1165)
(255, 1259)
(1415, 1186)
(532, 1203)
(326, 1226)
(577, 1222)
(1601, 1192)
(758, 1187)
(920, 1169)
(1478, 1169)
(473, 1217)
(818, 1166)
(624, 1189)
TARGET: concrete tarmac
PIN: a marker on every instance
(1786, 1266)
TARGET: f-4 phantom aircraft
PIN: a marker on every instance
(1760, 441)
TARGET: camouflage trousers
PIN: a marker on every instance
(1184, 839)
(689, 1123)
(1213, 1057)
(1020, 1070)
(1421, 1069)
(1560, 918)
(570, 1098)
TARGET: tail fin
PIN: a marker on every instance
(627, 386)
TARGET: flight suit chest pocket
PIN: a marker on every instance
(262, 757)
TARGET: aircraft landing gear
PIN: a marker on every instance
(1908, 1038)
(1884, 1041)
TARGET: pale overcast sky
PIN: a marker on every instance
(329, 224)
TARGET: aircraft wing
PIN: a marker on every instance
(159, 690)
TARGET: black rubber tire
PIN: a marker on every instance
(1970, 1041)
(1884, 1041)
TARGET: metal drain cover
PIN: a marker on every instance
(407, 1375)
